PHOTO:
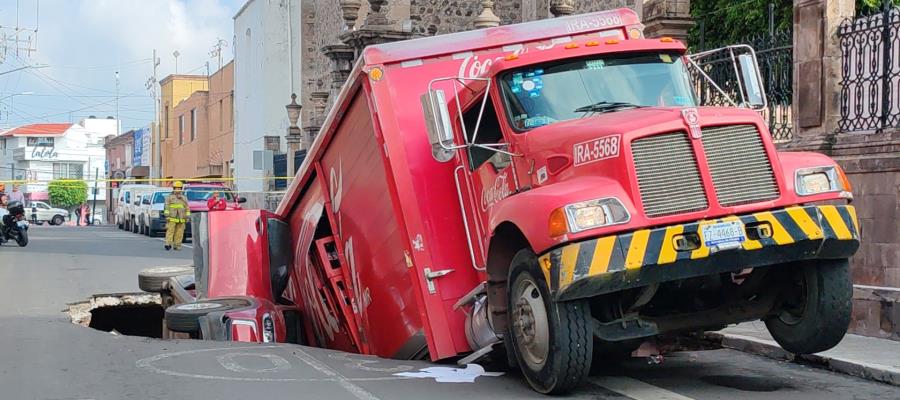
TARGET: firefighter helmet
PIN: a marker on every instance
(178, 185)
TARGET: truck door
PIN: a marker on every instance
(486, 168)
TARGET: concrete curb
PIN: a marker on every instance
(770, 349)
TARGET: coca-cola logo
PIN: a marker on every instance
(474, 66)
(500, 190)
(44, 153)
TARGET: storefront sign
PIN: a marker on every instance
(42, 153)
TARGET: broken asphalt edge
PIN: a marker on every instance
(770, 349)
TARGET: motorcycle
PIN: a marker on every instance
(13, 225)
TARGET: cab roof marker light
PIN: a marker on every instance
(612, 41)
(412, 63)
(592, 43)
(571, 46)
(463, 55)
(511, 57)
(666, 39)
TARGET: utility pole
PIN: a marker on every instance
(154, 161)
(216, 51)
(94, 205)
(118, 131)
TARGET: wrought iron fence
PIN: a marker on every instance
(774, 52)
(870, 68)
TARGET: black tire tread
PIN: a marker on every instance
(831, 316)
(151, 279)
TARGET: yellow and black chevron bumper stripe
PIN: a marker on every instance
(638, 258)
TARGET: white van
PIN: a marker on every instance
(125, 202)
(150, 221)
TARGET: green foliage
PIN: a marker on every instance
(67, 192)
(722, 22)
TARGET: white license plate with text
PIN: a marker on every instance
(723, 234)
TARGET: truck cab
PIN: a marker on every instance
(546, 195)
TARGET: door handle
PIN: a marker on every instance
(430, 276)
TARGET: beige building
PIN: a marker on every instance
(199, 132)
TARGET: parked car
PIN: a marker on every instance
(46, 213)
(125, 203)
(150, 213)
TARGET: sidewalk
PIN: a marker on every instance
(860, 356)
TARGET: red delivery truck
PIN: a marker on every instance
(543, 194)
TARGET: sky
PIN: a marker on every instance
(81, 44)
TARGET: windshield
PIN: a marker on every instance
(543, 94)
(160, 197)
(201, 194)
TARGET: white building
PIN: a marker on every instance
(267, 50)
(40, 153)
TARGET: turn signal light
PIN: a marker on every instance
(844, 180)
(558, 225)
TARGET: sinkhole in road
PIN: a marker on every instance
(131, 314)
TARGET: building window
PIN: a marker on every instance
(166, 121)
(40, 141)
(181, 129)
(221, 115)
(193, 124)
(68, 171)
(2, 144)
(273, 143)
(231, 111)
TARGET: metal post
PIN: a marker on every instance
(94, 205)
(702, 34)
(886, 6)
(771, 20)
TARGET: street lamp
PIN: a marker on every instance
(293, 136)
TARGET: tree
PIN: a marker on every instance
(723, 22)
(67, 192)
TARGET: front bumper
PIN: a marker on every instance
(613, 263)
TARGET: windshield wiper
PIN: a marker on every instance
(605, 106)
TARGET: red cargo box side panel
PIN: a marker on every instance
(324, 325)
(372, 238)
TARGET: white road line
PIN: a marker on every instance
(356, 391)
(636, 389)
(185, 245)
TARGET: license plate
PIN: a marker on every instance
(723, 234)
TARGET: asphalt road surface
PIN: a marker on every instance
(44, 356)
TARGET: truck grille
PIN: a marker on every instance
(739, 166)
(667, 175)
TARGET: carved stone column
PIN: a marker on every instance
(487, 19)
(341, 57)
(350, 12)
(376, 16)
(561, 8)
(667, 18)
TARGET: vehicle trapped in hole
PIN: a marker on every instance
(545, 195)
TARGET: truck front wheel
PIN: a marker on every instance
(552, 341)
(815, 311)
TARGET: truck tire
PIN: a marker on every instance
(817, 317)
(152, 279)
(57, 220)
(552, 341)
(134, 226)
(185, 317)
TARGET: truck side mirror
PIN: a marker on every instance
(737, 71)
(437, 120)
(753, 86)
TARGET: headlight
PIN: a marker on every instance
(591, 214)
(154, 213)
(810, 181)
